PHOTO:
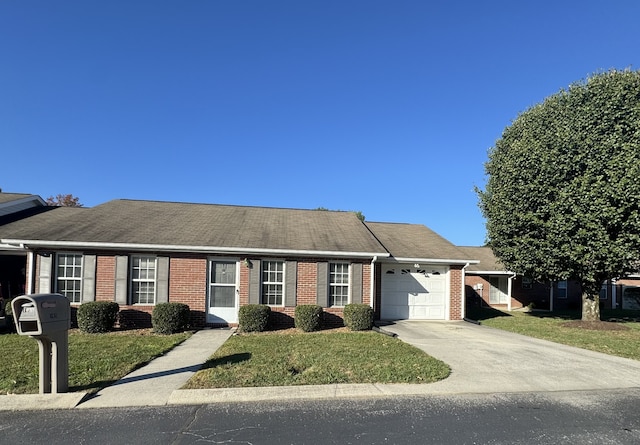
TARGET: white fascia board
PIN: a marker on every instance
(192, 249)
(489, 272)
(30, 198)
(431, 260)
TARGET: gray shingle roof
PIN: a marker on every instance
(415, 241)
(201, 225)
(488, 261)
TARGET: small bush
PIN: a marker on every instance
(308, 317)
(169, 318)
(253, 317)
(358, 317)
(97, 316)
(7, 313)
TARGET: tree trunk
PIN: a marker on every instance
(590, 307)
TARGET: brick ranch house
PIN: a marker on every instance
(216, 258)
(488, 283)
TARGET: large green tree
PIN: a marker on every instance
(562, 198)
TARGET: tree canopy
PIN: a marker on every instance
(61, 200)
(562, 198)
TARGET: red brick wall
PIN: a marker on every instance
(105, 277)
(455, 295)
(307, 278)
(188, 284)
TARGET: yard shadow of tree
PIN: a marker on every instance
(232, 359)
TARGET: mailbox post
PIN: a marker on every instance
(47, 318)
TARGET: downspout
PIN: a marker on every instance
(372, 283)
(32, 272)
(551, 296)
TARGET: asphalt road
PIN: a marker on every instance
(578, 417)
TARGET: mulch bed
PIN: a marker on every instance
(596, 325)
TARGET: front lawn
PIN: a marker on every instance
(95, 360)
(296, 358)
(618, 333)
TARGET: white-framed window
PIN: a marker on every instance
(561, 289)
(338, 284)
(69, 276)
(143, 279)
(273, 283)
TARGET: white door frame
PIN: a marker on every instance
(222, 315)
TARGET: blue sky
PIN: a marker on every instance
(383, 107)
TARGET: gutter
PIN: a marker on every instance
(433, 261)
(190, 249)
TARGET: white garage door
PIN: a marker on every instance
(413, 293)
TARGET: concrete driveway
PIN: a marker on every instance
(484, 360)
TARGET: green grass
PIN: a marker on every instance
(552, 326)
(95, 360)
(281, 359)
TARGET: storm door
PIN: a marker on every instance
(223, 292)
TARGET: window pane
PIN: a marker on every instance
(223, 296)
(69, 276)
(272, 282)
(223, 273)
(143, 275)
(338, 284)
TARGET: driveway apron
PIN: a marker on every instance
(487, 360)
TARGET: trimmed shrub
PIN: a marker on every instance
(97, 316)
(253, 317)
(169, 318)
(308, 317)
(358, 317)
(7, 313)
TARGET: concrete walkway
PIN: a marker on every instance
(154, 383)
(483, 360)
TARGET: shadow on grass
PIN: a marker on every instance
(562, 315)
(484, 313)
(232, 359)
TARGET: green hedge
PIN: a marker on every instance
(169, 318)
(253, 317)
(308, 317)
(97, 316)
(358, 317)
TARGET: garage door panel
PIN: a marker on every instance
(414, 293)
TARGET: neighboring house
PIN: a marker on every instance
(216, 258)
(489, 283)
(15, 207)
(623, 293)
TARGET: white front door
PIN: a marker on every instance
(223, 292)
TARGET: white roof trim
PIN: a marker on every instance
(178, 248)
(431, 260)
(30, 198)
(489, 272)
